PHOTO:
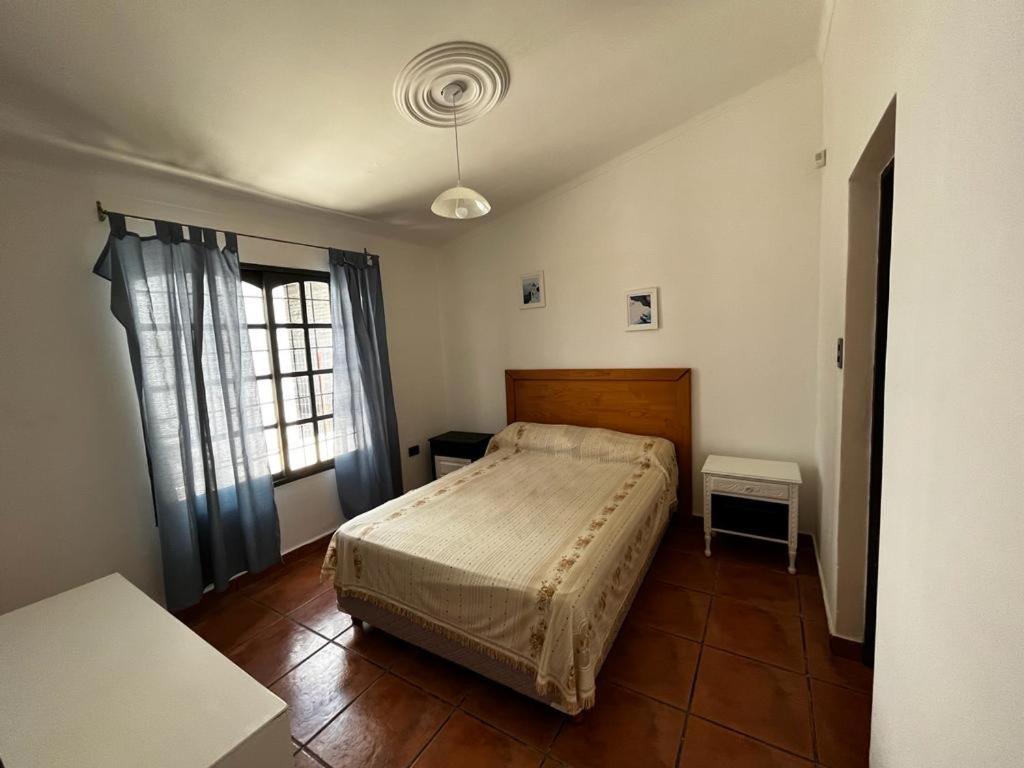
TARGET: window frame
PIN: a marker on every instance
(267, 278)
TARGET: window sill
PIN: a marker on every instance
(303, 473)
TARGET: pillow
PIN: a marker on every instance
(589, 444)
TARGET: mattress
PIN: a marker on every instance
(526, 556)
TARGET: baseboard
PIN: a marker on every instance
(821, 583)
(308, 547)
(847, 649)
(316, 545)
(844, 647)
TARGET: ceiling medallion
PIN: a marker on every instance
(480, 70)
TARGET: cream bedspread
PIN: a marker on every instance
(526, 555)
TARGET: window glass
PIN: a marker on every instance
(289, 319)
(323, 389)
(301, 446)
(254, 305)
(295, 398)
(318, 302)
(325, 439)
(287, 303)
(259, 343)
(291, 350)
(252, 297)
(320, 348)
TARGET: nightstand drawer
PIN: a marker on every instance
(755, 489)
(445, 464)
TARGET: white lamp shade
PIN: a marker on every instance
(460, 203)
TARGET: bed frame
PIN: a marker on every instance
(642, 401)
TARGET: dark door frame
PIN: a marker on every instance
(878, 406)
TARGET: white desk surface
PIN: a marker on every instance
(101, 675)
(759, 469)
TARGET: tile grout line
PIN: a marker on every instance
(802, 673)
(550, 750)
(316, 758)
(696, 668)
(810, 693)
(745, 735)
(432, 737)
(738, 599)
(338, 714)
(638, 621)
(772, 664)
(643, 695)
(543, 753)
(845, 686)
(385, 670)
(270, 608)
(807, 677)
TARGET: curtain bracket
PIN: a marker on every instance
(100, 213)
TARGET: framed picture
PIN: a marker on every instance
(642, 309)
(532, 294)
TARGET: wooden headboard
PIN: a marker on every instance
(641, 401)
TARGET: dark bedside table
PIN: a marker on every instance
(454, 450)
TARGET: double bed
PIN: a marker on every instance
(523, 565)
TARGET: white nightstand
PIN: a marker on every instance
(775, 482)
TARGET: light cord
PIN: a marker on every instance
(458, 162)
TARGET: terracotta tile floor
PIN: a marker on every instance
(722, 662)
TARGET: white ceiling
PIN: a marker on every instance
(294, 99)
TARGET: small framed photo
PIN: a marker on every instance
(642, 309)
(532, 294)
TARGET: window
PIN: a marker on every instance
(288, 313)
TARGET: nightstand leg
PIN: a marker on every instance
(794, 526)
(707, 523)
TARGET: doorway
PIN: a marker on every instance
(878, 406)
(862, 387)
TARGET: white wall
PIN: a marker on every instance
(74, 490)
(949, 670)
(721, 214)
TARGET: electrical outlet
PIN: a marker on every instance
(414, 450)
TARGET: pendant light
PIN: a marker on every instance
(458, 202)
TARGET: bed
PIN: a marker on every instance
(523, 565)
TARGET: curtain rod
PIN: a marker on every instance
(101, 214)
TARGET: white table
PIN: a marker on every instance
(774, 481)
(101, 675)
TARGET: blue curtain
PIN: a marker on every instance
(368, 462)
(179, 299)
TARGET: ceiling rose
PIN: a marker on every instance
(480, 70)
